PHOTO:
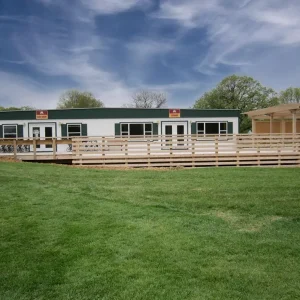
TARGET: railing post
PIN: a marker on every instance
(193, 151)
(279, 154)
(15, 149)
(149, 153)
(237, 151)
(103, 146)
(34, 148)
(216, 150)
(54, 148)
(126, 152)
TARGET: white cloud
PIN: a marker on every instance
(112, 6)
(189, 13)
(232, 27)
(18, 90)
(143, 49)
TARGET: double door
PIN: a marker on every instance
(42, 131)
(174, 134)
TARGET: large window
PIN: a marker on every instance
(204, 128)
(10, 131)
(136, 129)
(74, 130)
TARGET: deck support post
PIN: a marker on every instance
(34, 149)
(54, 148)
(294, 130)
(253, 126)
(271, 123)
(282, 129)
(15, 149)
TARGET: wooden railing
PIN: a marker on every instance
(27, 147)
(180, 150)
(187, 150)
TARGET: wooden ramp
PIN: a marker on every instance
(161, 151)
(188, 151)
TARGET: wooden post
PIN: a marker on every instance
(294, 127)
(294, 122)
(149, 153)
(237, 154)
(253, 126)
(216, 150)
(54, 148)
(34, 149)
(193, 151)
(103, 146)
(258, 155)
(126, 152)
(282, 129)
(171, 152)
(271, 123)
(15, 149)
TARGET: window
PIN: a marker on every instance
(204, 128)
(136, 129)
(223, 128)
(124, 129)
(74, 130)
(10, 131)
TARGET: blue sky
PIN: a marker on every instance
(114, 48)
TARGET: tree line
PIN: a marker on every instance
(233, 92)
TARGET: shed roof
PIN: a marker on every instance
(279, 111)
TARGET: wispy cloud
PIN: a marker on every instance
(19, 90)
(113, 6)
(232, 27)
(144, 49)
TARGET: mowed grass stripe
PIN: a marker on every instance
(216, 233)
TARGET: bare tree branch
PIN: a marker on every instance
(148, 99)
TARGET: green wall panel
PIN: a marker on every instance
(117, 129)
(155, 129)
(230, 127)
(84, 130)
(20, 130)
(64, 132)
(117, 113)
(193, 128)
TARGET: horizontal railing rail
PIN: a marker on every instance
(151, 149)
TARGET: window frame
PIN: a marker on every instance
(203, 132)
(6, 125)
(144, 135)
(74, 124)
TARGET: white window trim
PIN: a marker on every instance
(138, 123)
(6, 125)
(203, 132)
(75, 124)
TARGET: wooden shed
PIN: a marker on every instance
(283, 118)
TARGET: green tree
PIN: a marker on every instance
(77, 99)
(290, 95)
(238, 92)
(16, 108)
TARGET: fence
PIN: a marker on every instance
(187, 150)
(163, 151)
(27, 148)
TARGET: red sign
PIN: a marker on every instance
(174, 113)
(42, 114)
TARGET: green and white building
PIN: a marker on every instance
(62, 123)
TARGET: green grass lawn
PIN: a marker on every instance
(215, 233)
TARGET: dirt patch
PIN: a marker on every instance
(246, 223)
(8, 159)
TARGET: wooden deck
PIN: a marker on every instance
(162, 151)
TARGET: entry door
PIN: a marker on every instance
(42, 131)
(174, 132)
